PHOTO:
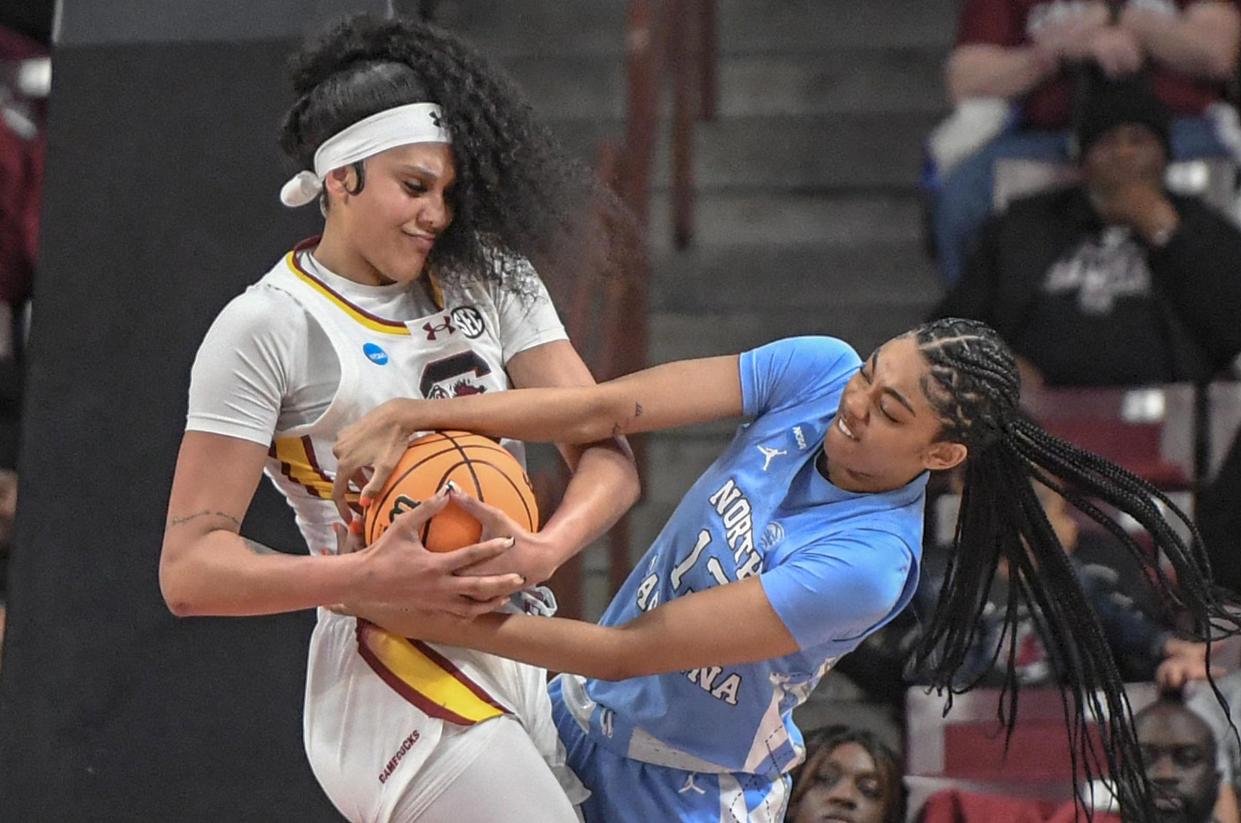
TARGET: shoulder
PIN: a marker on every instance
(262, 312)
(820, 352)
(793, 372)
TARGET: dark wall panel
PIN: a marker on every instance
(161, 204)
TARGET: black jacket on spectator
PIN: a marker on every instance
(1182, 327)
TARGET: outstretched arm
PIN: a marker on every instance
(663, 397)
(721, 626)
(603, 486)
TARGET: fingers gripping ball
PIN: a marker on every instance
(477, 465)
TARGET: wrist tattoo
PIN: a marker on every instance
(618, 428)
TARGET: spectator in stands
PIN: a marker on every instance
(1200, 699)
(1178, 749)
(1138, 642)
(849, 774)
(1035, 55)
(1113, 281)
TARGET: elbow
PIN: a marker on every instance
(957, 91)
(629, 491)
(178, 597)
(958, 79)
(174, 598)
(602, 419)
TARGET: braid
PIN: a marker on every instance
(974, 387)
(517, 192)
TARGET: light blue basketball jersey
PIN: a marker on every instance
(835, 565)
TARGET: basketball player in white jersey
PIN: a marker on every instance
(436, 186)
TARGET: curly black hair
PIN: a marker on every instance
(517, 193)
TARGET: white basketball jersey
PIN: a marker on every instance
(367, 690)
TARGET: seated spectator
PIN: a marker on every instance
(848, 775)
(1178, 749)
(1113, 281)
(1139, 642)
(1035, 54)
(1201, 700)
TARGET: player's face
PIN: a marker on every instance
(404, 206)
(1179, 757)
(846, 786)
(885, 431)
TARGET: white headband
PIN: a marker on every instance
(400, 126)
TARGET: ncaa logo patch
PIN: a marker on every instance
(468, 319)
(375, 354)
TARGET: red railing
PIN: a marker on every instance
(676, 41)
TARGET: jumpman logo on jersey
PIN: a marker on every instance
(690, 785)
(770, 453)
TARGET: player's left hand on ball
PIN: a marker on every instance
(531, 555)
(377, 442)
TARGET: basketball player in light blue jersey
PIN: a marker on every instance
(798, 542)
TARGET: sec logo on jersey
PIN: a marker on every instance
(469, 320)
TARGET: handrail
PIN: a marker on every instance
(692, 59)
(610, 325)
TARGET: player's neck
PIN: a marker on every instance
(343, 260)
(844, 480)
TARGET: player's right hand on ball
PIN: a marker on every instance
(398, 569)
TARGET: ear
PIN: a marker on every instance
(944, 454)
(337, 182)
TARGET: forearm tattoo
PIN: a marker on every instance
(181, 520)
(253, 546)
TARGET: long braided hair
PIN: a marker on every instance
(974, 387)
(517, 192)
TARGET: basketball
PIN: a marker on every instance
(477, 465)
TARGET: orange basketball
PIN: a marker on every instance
(477, 465)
